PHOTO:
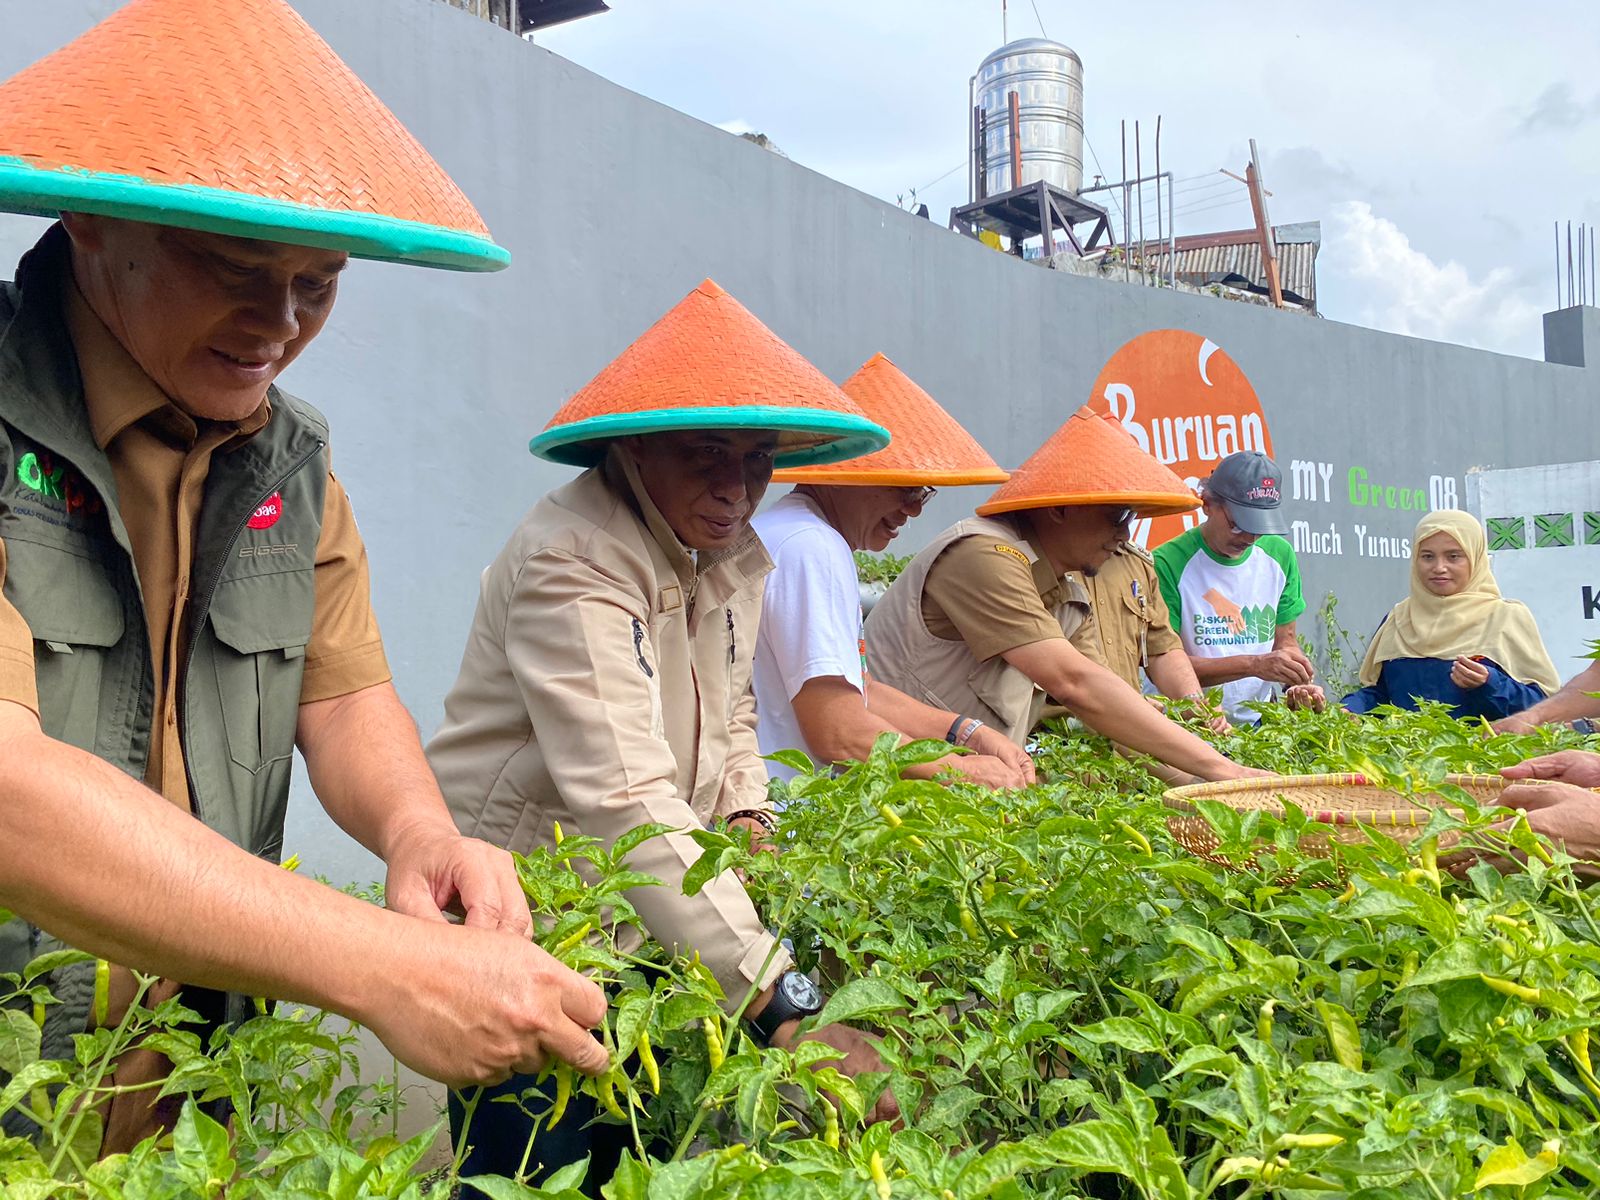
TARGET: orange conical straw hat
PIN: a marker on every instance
(929, 447)
(1090, 460)
(234, 117)
(709, 364)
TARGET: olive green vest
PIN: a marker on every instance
(70, 573)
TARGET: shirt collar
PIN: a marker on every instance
(117, 393)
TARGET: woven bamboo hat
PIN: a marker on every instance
(232, 118)
(929, 446)
(1090, 460)
(709, 364)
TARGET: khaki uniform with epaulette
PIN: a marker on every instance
(1131, 624)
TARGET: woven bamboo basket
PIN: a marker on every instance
(1351, 804)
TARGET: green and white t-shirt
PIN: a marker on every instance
(1225, 606)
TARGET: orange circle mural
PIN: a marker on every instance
(1185, 402)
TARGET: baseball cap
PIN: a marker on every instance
(1247, 482)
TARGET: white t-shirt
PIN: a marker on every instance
(810, 619)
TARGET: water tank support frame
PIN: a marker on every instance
(1035, 210)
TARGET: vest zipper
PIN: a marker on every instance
(209, 591)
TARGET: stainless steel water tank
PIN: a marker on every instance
(1048, 80)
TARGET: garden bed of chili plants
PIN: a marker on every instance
(1068, 1004)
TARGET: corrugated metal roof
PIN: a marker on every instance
(1234, 259)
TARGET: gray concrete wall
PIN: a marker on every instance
(614, 207)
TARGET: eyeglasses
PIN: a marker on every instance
(1121, 517)
(916, 497)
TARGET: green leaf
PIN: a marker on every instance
(795, 760)
(633, 1018)
(684, 1007)
(866, 997)
(19, 1040)
(201, 1149)
(569, 1176)
(636, 837)
(1510, 1166)
(1461, 959)
(630, 1182)
(52, 961)
(498, 1187)
(708, 866)
(1204, 1060)
(1095, 1145)
(43, 1073)
(1343, 1035)
(950, 1109)
(1125, 1032)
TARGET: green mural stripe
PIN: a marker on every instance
(1508, 533)
(1591, 529)
(1552, 530)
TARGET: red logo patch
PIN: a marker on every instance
(267, 515)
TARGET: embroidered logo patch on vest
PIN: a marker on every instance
(267, 515)
(41, 474)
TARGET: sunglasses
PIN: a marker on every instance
(916, 496)
(1122, 517)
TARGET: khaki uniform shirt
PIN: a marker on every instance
(979, 589)
(1131, 623)
(606, 685)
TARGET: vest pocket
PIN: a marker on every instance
(75, 618)
(262, 624)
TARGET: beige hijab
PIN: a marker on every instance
(1476, 620)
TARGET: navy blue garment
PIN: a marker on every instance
(500, 1130)
(1403, 681)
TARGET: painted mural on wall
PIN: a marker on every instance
(1544, 541)
(1184, 401)
(1188, 403)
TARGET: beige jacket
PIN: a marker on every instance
(904, 653)
(605, 685)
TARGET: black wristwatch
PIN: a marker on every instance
(794, 996)
(1584, 725)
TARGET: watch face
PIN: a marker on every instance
(801, 992)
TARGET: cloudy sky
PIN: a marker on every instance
(1438, 143)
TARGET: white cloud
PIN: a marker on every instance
(1400, 289)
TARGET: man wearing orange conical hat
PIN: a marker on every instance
(813, 692)
(979, 621)
(185, 593)
(1132, 633)
(606, 679)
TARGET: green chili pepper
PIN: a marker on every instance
(714, 1047)
(1138, 838)
(1507, 988)
(605, 1089)
(880, 1177)
(969, 924)
(830, 1125)
(563, 1094)
(102, 991)
(571, 940)
(647, 1059)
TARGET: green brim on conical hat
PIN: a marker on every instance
(806, 436)
(32, 192)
